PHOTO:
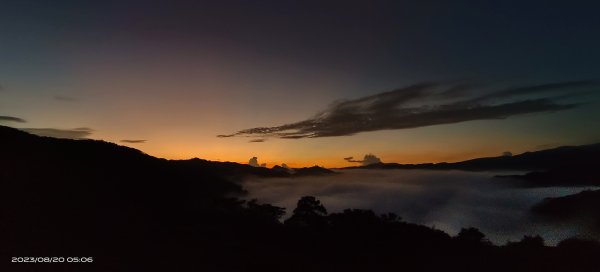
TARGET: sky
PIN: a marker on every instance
(305, 82)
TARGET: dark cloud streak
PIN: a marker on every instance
(421, 105)
(12, 119)
(535, 89)
(76, 133)
(134, 141)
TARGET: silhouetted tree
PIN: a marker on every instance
(309, 212)
(355, 218)
(471, 235)
(308, 206)
(266, 213)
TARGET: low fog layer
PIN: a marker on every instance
(448, 200)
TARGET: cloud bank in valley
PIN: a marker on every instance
(448, 200)
(425, 104)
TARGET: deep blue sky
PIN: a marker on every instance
(177, 73)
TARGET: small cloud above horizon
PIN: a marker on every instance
(368, 159)
(254, 162)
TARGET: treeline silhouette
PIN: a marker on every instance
(133, 212)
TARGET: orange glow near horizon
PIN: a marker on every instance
(176, 81)
(274, 156)
(443, 143)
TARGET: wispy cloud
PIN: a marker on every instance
(134, 141)
(12, 119)
(76, 133)
(424, 104)
(257, 140)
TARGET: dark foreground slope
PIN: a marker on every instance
(583, 207)
(133, 212)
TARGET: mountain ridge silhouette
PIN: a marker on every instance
(134, 212)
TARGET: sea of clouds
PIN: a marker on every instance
(447, 200)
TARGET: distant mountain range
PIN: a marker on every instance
(536, 160)
(313, 171)
(567, 165)
(561, 166)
